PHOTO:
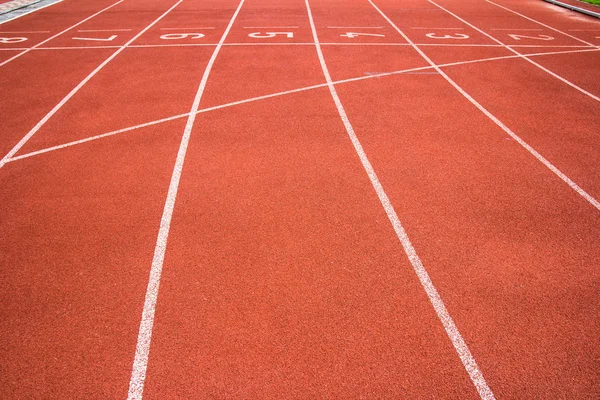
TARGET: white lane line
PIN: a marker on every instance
(37, 127)
(437, 29)
(271, 27)
(24, 31)
(58, 34)
(434, 297)
(140, 363)
(186, 29)
(133, 46)
(501, 125)
(546, 70)
(32, 11)
(302, 89)
(542, 24)
(355, 27)
(104, 30)
(515, 29)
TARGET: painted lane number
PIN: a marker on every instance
(538, 37)
(108, 39)
(12, 39)
(353, 35)
(176, 36)
(455, 36)
(268, 35)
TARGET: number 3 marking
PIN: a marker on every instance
(267, 35)
(12, 39)
(456, 36)
(175, 36)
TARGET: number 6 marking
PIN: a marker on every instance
(174, 36)
(12, 39)
(267, 35)
(456, 36)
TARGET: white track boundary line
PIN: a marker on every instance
(140, 363)
(546, 70)
(269, 96)
(139, 46)
(501, 125)
(37, 127)
(544, 25)
(434, 297)
(58, 34)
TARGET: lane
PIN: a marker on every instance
(511, 248)
(520, 37)
(78, 234)
(282, 275)
(566, 136)
(504, 26)
(73, 91)
(575, 24)
(32, 86)
(50, 20)
(81, 226)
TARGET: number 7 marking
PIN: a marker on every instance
(97, 39)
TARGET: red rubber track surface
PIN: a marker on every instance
(283, 276)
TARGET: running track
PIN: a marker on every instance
(300, 199)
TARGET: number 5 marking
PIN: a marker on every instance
(267, 35)
(174, 36)
(12, 39)
(539, 37)
(456, 36)
(96, 39)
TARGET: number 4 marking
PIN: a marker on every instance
(539, 37)
(352, 35)
(97, 39)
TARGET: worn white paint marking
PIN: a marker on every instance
(72, 93)
(104, 30)
(437, 29)
(140, 363)
(58, 34)
(560, 78)
(434, 297)
(542, 24)
(499, 123)
(252, 99)
(514, 29)
(186, 29)
(451, 329)
(271, 27)
(355, 27)
(24, 31)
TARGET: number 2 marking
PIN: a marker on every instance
(455, 36)
(12, 39)
(174, 36)
(97, 39)
(539, 37)
(268, 35)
